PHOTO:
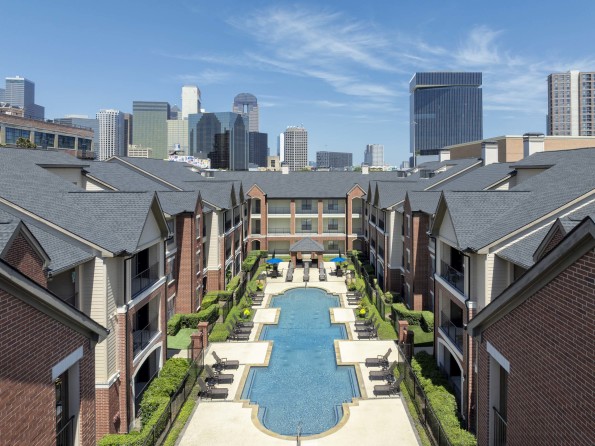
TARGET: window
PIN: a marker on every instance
(408, 225)
(408, 260)
(333, 224)
(171, 268)
(171, 240)
(66, 142)
(171, 307)
(333, 205)
(44, 139)
(197, 227)
(255, 226)
(333, 245)
(306, 205)
(13, 134)
(307, 224)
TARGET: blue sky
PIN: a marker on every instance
(340, 68)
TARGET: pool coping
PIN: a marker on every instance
(254, 407)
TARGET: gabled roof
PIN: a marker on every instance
(306, 245)
(21, 287)
(480, 179)
(578, 242)
(174, 203)
(426, 201)
(8, 226)
(123, 178)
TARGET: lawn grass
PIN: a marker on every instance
(420, 337)
(181, 341)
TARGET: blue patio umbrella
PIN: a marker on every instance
(339, 259)
(274, 261)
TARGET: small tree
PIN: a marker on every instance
(24, 143)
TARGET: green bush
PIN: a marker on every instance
(174, 324)
(250, 261)
(403, 313)
(209, 300)
(233, 284)
(385, 330)
(427, 321)
(441, 399)
(388, 297)
(219, 333)
(225, 295)
(209, 315)
(368, 268)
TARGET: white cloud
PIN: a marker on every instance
(205, 77)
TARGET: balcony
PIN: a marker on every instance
(278, 210)
(334, 230)
(145, 279)
(452, 276)
(499, 428)
(306, 231)
(278, 231)
(333, 210)
(142, 337)
(452, 331)
(307, 210)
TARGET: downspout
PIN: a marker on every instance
(434, 291)
(467, 365)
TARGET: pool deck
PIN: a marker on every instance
(367, 420)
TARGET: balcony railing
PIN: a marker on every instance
(278, 231)
(333, 230)
(452, 276)
(141, 338)
(454, 332)
(306, 211)
(144, 279)
(334, 210)
(306, 230)
(279, 210)
(64, 436)
(500, 426)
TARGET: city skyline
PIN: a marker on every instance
(342, 72)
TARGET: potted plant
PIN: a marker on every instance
(246, 313)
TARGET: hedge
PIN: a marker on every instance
(220, 333)
(209, 300)
(191, 320)
(403, 313)
(249, 261)
(220, 294)
(436, 388)
(233, 284)
(153, 405)
(385, 330)
(427, 321)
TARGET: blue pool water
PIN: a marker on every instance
(302, 384)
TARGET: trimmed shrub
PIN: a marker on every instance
(225, 295)
(388, 297)
(209, 300)
(427, 321)
(403, 313)
(233, 284)
(174, 325)
(209, 315)
(385, 330)
(219, 333)
(441, 399)
(249, 262)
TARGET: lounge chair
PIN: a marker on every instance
(225, 363)
(240, 323)
(380, 360)
(217, 377)
(369, 334)
(384, 374)
(239, 330)
(211, 392)
(365, 322)
(366, 326)
(339, 273)
(389, 389)
(233, 336)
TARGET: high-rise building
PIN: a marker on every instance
(221, 137)
(175, 113)
(334, 160)
(20, 92)
(128, 126)
(177, 134)
(296, 147)
(150, 127)
(281, 147)
(571, 104)
(258, 148)
(111, 134)
(446, 109)
(2, 92)
(190, 100)
(374, 155)
(83, 121)
(246, 104)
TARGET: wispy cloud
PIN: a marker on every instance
(205, 77)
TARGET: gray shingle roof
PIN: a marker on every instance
(175, 203)
(306, 245)
(123, 178)
(521, 252)
(426, 201)
(479, 179)
(8, 225)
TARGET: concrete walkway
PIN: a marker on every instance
(368, 420)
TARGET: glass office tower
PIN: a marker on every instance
(446, 109)
(150, 127)
(221, 137)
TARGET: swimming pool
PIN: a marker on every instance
(302, 386)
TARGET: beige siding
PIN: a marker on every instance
(396, 246)
(114, 297)
(213, 240)
(94, 186)
(447, 230)
(478, 279)
(496, 276)
(151, 232)
(72, 175)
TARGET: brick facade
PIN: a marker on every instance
(32, 343)
(551, 380)
(24, 258)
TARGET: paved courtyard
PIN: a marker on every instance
(368, 420)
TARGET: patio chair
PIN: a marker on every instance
(339, 273)
(369, 334)
(384, 374)
(234, 336)
(239, 330)
(366, 322)
(389, 389)
(240, 323)
(380, 360)
(368, 325)
(225, 363)
(217, 377)
(211, 392)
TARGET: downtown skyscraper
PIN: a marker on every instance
(446, 109)
(112, 135)
(374, 155)
(571, 104)
(295, 143)
(150, 127)
(20, 92)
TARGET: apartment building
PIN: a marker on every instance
(482, 243)
(533, 388)
(54, 365)
(107, 260)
